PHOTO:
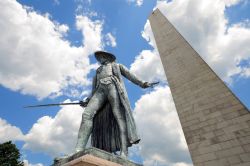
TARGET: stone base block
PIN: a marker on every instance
(94, 157)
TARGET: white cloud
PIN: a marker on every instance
(205, 25)
(82, 7)
(62, 29)
(246, 72)
(148, 67)
(137, 2)
(55, 135)
(26, 163)
(182, 164)
(111, 41)
(147, 64)
(148, 35)
(162, 139)
(9, 132)
(35, 59)
(92, 32)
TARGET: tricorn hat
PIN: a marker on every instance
(107, 55)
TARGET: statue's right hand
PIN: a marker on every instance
(84, 103)
(87, 100)
(146, 85)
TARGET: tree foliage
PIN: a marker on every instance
(9, 155)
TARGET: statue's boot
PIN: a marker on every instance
(124, 152)
(83, 134)
(123, 155)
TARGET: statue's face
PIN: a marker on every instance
(102, 59)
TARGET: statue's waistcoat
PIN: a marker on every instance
(104, 74)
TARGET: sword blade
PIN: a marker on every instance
(49, 105)
(154, 83)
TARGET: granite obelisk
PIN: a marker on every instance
(216, 124)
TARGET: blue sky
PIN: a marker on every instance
(46, 56)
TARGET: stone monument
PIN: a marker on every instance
(216, 124)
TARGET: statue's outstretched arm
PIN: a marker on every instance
(130, 76)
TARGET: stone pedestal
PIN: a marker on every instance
(94, 157)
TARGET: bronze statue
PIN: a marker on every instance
(108, 114)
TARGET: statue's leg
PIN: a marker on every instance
(114, 100)
(94, 105)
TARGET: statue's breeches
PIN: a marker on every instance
(101, 95)
(104, 93)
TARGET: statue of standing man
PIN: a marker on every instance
(108, 115)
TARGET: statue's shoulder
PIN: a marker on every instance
(98, 70)
(116, 64)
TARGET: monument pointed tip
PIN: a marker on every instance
(155, 10)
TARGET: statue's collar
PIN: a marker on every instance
(105, 63)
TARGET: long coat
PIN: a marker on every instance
(105, 133)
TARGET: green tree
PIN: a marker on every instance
(9, 155)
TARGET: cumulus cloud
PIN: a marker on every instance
(9, 132)
(205, 26)
(162, 139)
(111, 41)
(50, 135)
(137, 2)
(148, 60)
(36, 59)
(92, 32)
(63, 29)
(82, 8)
(246, 72)
(55, 135)
(147, 65)
(182, 164)
(148, 35)
(26, 163)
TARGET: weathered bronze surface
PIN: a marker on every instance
(108, 115)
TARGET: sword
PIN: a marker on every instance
(152, 84)
(81, 103)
